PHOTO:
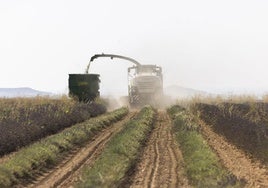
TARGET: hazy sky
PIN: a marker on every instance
(211, 45)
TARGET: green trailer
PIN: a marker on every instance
(84, 87)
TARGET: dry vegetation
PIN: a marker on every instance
(202, 166)
(24, 120)
(243, 120)
(245, 124)
(25, 163)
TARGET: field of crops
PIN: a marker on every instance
(62, 143)
(23, 121)
(245, 125)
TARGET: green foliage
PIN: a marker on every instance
(50, 150)
(120, 154)
(201, 164)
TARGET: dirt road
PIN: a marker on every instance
(68, 171)
(236, 160)
(161, 164)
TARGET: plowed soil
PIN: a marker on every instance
(68, 171)
(252, 172)
(161, 164)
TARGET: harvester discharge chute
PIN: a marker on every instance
(145, 82)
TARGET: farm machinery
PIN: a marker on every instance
(145, 82)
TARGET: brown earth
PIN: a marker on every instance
(68, 171)
(161, 164)
(237, 162)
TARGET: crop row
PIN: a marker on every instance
(120, 154)
(202, 165)
(50, 150)
(245, 125)
(25, 120)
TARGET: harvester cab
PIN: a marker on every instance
(145, 84)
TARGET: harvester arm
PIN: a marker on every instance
(111, 56)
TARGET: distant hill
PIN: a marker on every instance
(175, 91)
(21, 92)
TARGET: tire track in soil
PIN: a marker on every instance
(69, 170)
(161, 164)
(235, 160)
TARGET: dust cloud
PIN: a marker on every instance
(115, 102)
